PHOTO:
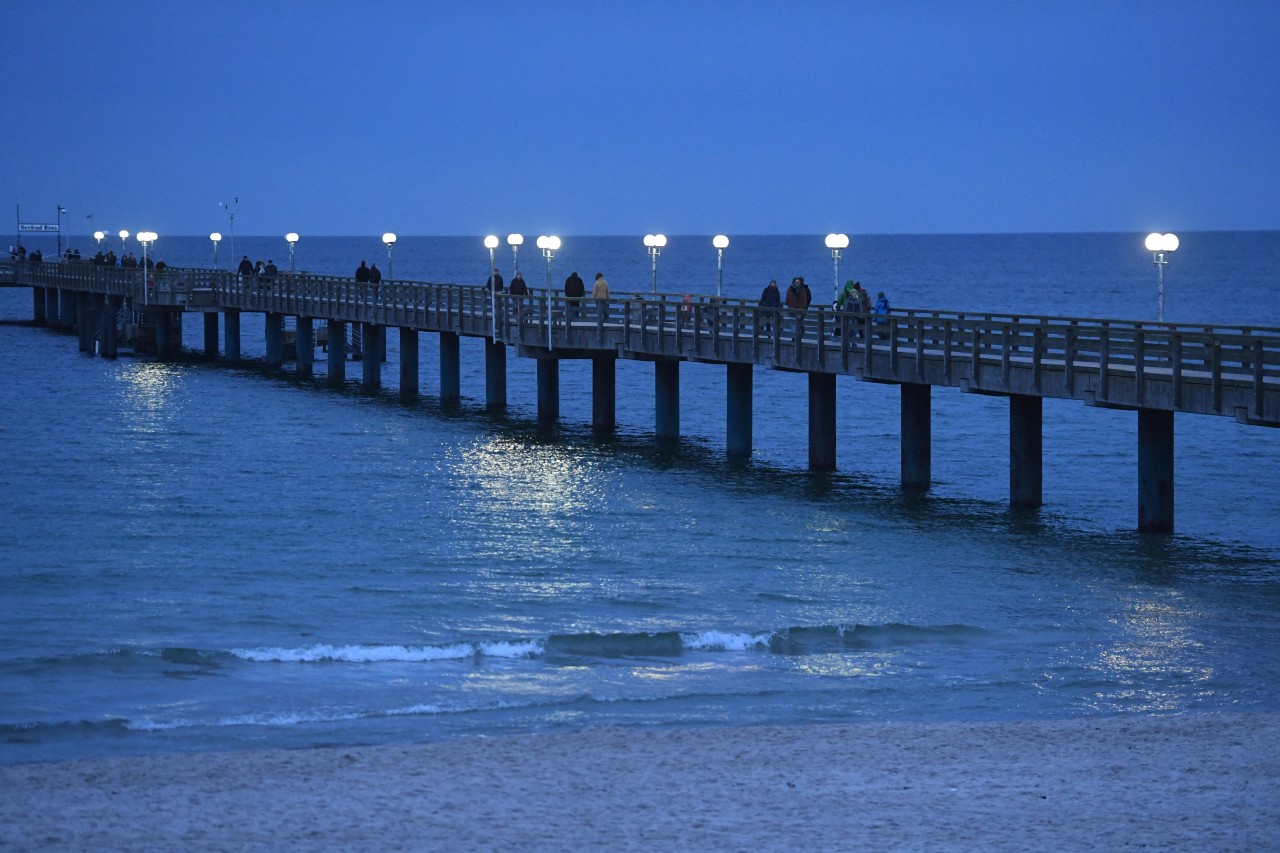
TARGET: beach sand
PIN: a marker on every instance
(1201, 782)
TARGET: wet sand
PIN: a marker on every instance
(1203, 782)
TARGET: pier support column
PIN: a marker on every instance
(666, 399)
(408, 363)
(51, 307)
(66, 308)
(450, 369)
(917, 437)
(371, 367)
(304, 345)
(38, 306)
(164, 335)
(274, 324)
(337, 352)
(112, 307)
(231, 335)
(1026, 451)
(822, 421)
(548, 389)
(84, 321)
(1155, 471)
(604, 394)
(211, 334)
(495, 376)
(738, 411)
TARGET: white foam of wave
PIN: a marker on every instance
(381, 654)
(723, 641)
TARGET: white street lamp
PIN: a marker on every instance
(721, 243)
(549, 247)
(216, 238)
(98, 235)
(124, 235)
(390, 240)
(655, 244)
(146, 238)
(491, 243)
(1157, 244)
(837, 243)
(515, 241)
(291, 238)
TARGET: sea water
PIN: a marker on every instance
(199, 557)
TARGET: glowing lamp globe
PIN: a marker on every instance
(215, 237)
(837, 241)
(388, 238)
(491, 242)
(720, 241)
(515, 239)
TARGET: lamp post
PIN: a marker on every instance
(837, 243)
(655, 244)
(124, 235)
(98, 235)
(721, 243)
(390, 239)
(216, 238)
(291, 238)
(515, 241)
(549, 245)
(1157, 244)
(491, 243)
(231, 220)
(146, 238)
(61, 210)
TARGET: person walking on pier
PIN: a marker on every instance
(495, 281)
(574, 289)
(798, 299)
(600, 292)
(375, 274)
(362, 273)
(245, 268)
(770, 298)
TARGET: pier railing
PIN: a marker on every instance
(1208, 369)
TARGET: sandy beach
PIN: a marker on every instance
(1205, 782)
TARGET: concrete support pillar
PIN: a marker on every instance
(337, 352)
(822, 421)
(408, 363)
(304, 343)
(66, 308)
(495, 376)
(113, 305)
(1155, 471)
(164, 335)
(51, 307)
(917, 437)
(548, 389)
(604, 394)
(211, 334)
(85, 319)
(738, 411)
(231, 335)
(1026, 451)
(372, 364)
(274, 325)
(666, 399)
(451, 369)
(38, 306)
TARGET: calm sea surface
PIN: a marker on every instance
(196, 557)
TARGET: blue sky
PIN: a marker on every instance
(456, 118)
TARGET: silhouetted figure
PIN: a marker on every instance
(375, 274)
(362, 273)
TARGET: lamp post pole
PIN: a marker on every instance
(124, 235)
(146, 238)
(216, 238)
(98, 235)
(654, 243)
(390, 239)
(837, 243)
(291, 238)
(721, 242)
(548, 245)
(1158, 244)
(491, 243)
(231, 221)
(515, 241)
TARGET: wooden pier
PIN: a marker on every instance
(1155, 369)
